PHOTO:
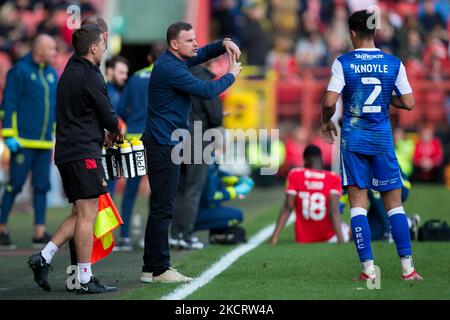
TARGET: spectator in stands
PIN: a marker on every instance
(281, 56)
(255, 33)
(443, 8)
(429, 18)
(228, 26)
(384, 39)
(12, 31)
(428, 156)
(336, 37)
(50, 24)
(311, 50)
(410, 38)
(413, 49)
(356, 5)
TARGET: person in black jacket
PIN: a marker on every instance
(83, 113)
(205, 114)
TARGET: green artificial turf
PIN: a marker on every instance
(286, 271)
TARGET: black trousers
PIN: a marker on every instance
(163, 176)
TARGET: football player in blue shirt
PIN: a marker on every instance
(369, 80)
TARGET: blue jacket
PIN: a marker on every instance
(170, 89)
(28, 105)
(132, 107)
(114, 95)
(218, 188)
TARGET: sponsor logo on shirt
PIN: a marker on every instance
(368, 56)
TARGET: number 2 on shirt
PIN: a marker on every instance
(368, 107)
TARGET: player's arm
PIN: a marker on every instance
(334, 89)
(335, 216)
(402, 97)
(405, 101)
(329, 105)
(285, 212)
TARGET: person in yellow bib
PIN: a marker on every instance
(27, 127)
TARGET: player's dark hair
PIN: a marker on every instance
(113, 61)
(97, 21)
(84, 38)
(359, 22)
(312, 151)
(174, 30)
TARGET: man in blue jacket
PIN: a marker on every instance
(169, 103)
(116, 77)
(27, 127)
(132, 108)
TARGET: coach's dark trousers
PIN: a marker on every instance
(163, 177)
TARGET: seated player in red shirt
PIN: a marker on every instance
(314, 193)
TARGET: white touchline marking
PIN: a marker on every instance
(223, 264)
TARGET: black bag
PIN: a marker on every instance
(228, 236)
(434, 230)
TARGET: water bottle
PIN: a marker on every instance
(127, 161)
(112, 163)
(140, 159)
(105, 165)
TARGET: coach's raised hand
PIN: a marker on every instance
(232, 48)
(235, 67)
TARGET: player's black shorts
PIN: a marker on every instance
(83, 179)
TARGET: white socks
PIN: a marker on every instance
(49, 251)
(407, 265)
(84, 272)
(369, 268)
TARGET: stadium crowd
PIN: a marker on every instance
(296, 36)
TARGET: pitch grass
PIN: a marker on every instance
(120, 268)
(324, 271)
(287, 271)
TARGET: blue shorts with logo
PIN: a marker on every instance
(379, 172)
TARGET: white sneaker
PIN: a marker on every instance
(170, 276)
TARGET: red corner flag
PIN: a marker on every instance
(108, 219)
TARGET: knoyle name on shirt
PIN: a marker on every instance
(370, 67)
